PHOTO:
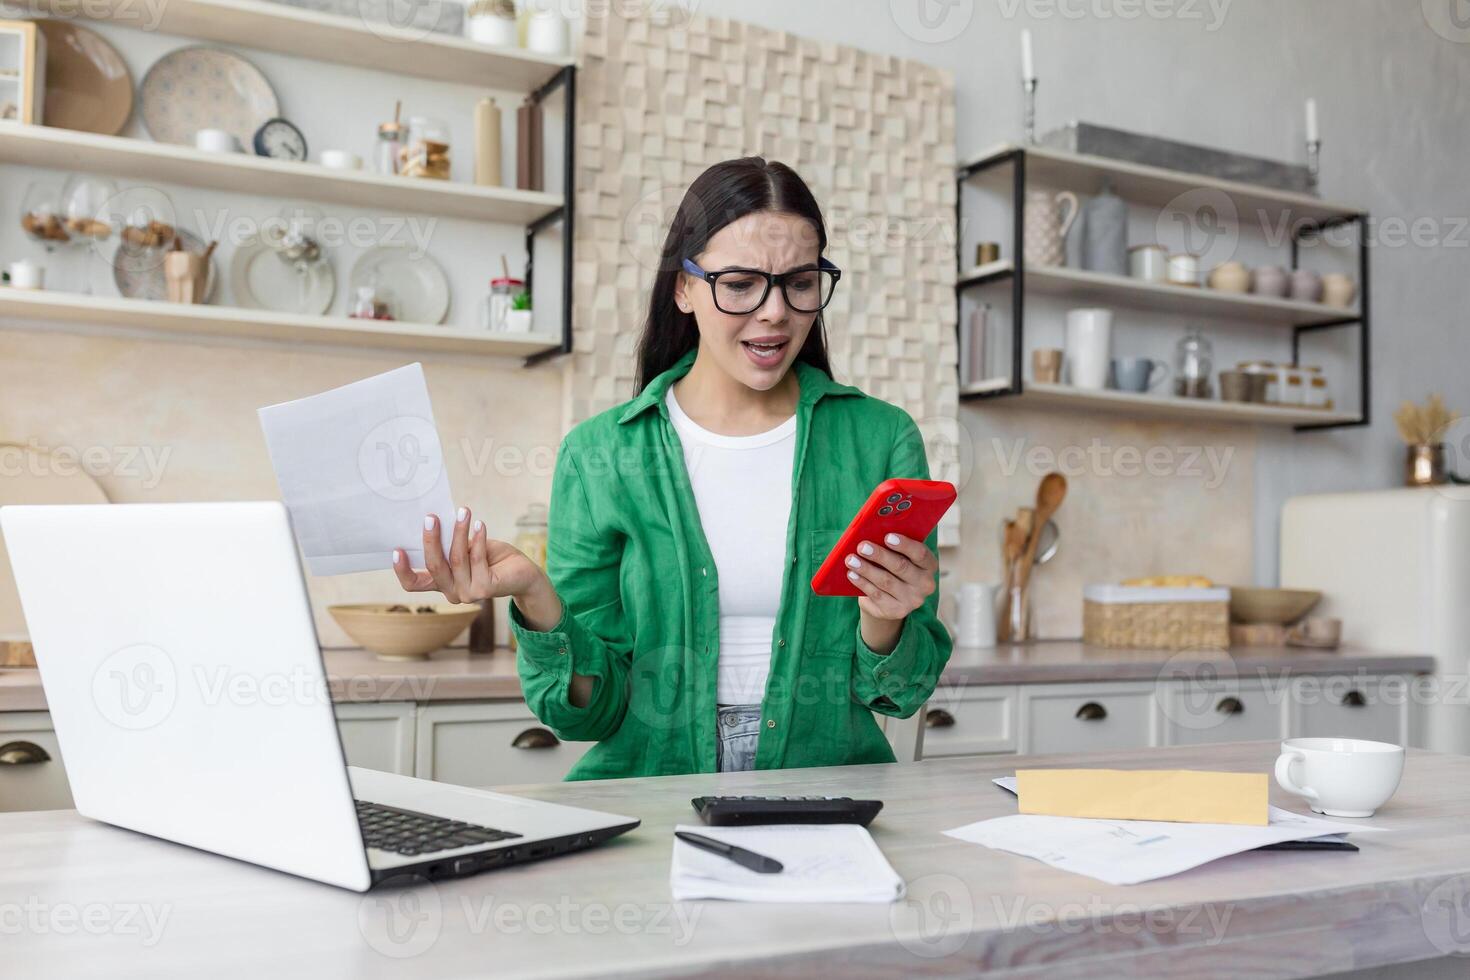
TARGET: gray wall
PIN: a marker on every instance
(1392, 79)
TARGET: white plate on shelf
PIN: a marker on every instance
(261, 280)
(415, 286)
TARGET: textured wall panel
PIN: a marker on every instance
(661, 99)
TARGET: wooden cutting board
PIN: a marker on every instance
(31, 476)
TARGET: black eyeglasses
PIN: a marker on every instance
(742, 291)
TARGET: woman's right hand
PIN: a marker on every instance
(477, 567)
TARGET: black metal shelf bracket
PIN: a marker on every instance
(1365, 354)
(566, 79)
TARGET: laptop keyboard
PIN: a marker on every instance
(406, 832)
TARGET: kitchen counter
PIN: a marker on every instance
(168, 910)
(457, 675)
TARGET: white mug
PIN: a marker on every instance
(975, 626)
(1341, 777)
(1089, 347)
(215, 141)
(25, 274)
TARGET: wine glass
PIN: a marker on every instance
(87, 205)
(40, 215)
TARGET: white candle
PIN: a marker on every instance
(1312, 133)
(1028, 64)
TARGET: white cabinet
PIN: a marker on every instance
(490, 744)
(1224, 711)
(1088, 717)
(31, 773)
(1377, 708)
(978, 720)
(378, 735)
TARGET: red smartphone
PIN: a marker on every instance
(907, 507)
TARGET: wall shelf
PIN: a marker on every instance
(1302, 215)
(234, 322)
(323, 37)
(1165, 407)
(1140, 294)
(65, 149)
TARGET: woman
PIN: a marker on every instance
(676, 625)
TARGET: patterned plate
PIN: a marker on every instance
(205, 88)
(138, 272)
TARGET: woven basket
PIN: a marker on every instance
(1157, 625)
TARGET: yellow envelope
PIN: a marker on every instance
(1183, 795)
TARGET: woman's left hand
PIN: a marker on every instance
(895, 578)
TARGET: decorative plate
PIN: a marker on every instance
(205, 88)
(261, 280)
(138, 271)
(88, 86)
(416, 288)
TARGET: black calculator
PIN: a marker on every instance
(751, 811)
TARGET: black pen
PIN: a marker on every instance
(742, 857)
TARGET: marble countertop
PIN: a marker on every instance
(457, 675)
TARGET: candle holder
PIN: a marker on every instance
(1314, 163)
(1028, 110)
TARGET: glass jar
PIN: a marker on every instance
(1319, 395)
(1194, 360)
(499, 302)
(531, 540)
(1294, 390)
(426, 154)
(388, 153)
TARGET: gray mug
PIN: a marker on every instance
(1138, 373)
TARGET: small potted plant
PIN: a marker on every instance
(1423, 428)
(518, 317)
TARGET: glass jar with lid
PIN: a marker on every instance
(1194, 361)
(426, 154)
(499, 302)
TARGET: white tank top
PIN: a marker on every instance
(742, 486)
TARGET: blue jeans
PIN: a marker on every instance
(737, 729)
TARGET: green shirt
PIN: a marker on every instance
(640, 595)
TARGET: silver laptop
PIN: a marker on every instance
(181, 667)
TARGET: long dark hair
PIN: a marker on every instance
(724, 193)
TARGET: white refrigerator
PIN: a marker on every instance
(1394, 566)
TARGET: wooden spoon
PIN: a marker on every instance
(1015, 543)
(1049, 497)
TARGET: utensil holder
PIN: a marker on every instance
(1016, 611)
(184, 275)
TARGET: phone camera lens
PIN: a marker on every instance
(893, 497)
(884, 511)
(904, 504)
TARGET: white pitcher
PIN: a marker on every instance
(1045, 228)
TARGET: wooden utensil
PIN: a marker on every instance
(1015, 543)
(1049, 497)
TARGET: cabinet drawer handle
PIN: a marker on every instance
(535, 738)
(1230, 706)
(22, 754)
(1092, 711)
(1354, 699)
(938, 718)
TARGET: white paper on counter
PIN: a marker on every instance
(822, 863)
(359, 467)
(1126, 852)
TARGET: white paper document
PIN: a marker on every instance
(1125, 852)
(359, 467)
(821, 863)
